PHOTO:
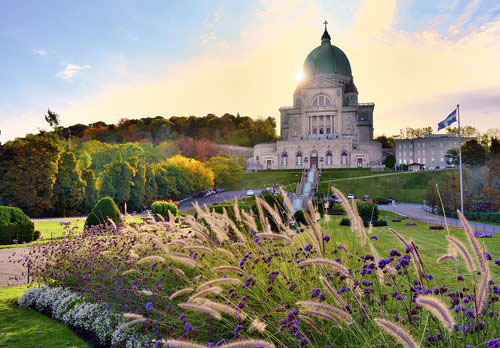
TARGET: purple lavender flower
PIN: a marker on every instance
(188, 327)
(326, 238)
(374, 237)
(237, 330)
(182, 316)
(149, 307)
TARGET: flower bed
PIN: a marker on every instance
(396, 220)
(410, 223)
(438, 227)
(484, 234)
(228, 281)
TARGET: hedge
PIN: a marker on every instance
(104, 210)
(162, 208)
(15, 225)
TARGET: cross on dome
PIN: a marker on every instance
(326, 37)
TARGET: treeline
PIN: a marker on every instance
(47, 176)
(227, 129)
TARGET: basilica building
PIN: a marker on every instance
(326, 127)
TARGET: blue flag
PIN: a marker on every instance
(448, 120)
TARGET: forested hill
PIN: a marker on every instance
(227, 129)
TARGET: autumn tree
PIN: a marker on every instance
(431, 195)
(227, 171)
(90, 195)
(413, 133)
(28, 169)
(465, 131)
(450, 191)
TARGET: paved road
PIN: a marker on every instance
(217, 198)
(11, 272)
(417, 212)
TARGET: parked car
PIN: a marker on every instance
(219, 190)
(351, 196)
(366, 197)
(250, 193)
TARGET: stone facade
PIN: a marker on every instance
(326, 127)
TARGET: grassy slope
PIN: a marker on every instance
(22, 327)
(432, 244)
(408, 187)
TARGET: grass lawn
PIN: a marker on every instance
(409, 187)
(22, 327)
(432, 244)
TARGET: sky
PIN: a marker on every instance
(106, 60)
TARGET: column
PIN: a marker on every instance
(331, 124)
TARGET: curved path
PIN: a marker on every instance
(11, 273)
(417, 212)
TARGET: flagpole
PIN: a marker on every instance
(460, 162)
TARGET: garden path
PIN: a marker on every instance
(11, 273)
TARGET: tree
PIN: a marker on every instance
(52, 119)
(387, 142)
(28, 169)
(138, 189)
(390, 161)
(450, 192)
(69, 186)
(151, 186)
(116, 180)
(413, 133)
(199, 176)
(495, 147)
(104, 211)
(431, 195)
(227, 172)
(90, 195)
(452, 157)
(473, 153)
(465, 131)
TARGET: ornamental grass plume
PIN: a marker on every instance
(198, 248)
(438, 308)
(237, 212)
(462, 250)
(274, 236)
(313, 324)
(336, 312)
(286, 201)
(331, 290)
(183, 260)
(130, 271)
(380, 272)
(482, 294)
(223, 308)
(130, 323)
(213, 282)
(249, 344)
(183, 344)
(446, 257)
(227, 268)
(226, 252)
(204, 292)
(396, 331)
(323, 262)
(257, 325)
(202, 309)
(240, 236)
(181, 292)
(132, 316)
(153, 258)
(274, 214)
(472, 239)
(321, 315)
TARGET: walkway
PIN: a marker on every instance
(416, 211)
(11, 273)
(298, 200)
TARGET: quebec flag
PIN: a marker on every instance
(448, 120)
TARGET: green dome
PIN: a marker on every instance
(327, 59)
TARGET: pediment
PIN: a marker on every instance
(322, 82)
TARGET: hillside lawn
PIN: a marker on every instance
(432, 244)
(22, 327)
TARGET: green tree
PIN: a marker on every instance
(52, 119)
(138, 189)
(452, 157)
(227, 172)
(387, 142)
(90, 195)
(69, 186)
(103, 211)
(390, 161)
(28, 169)
(117, 180)
(151, 187)
(473, 153)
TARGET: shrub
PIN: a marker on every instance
(396, 220)
(299, 217)
(336, 209)
(37, 235)
(104, 210)
(162, 208)
(15, 225)
(439, 227)
(368, 211)
(381, 200)
(379, 223)
(345, 222)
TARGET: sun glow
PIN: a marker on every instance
(299, 75)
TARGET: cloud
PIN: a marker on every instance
(40, 52)
(70, 71)
(469, 10)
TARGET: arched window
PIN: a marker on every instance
(284, 159)
(298, 158)
(329, 158)
(343, 158)
(321, 100)
(314, 154)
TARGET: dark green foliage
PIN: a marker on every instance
(138, 189)
(379, 223)
(368, 211)
(390, 161)
(69, 186)
(116, 180)
(15, 225)
(171, 181)
(90, 195)
(485, 216)
(28, 169)
(36, 235)
(345, 222)
(494, 147)
(336, 209)
(162, 208)
(382, 200)
(473, 154)
(299, 217)
(151, 187)
(104, 210)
